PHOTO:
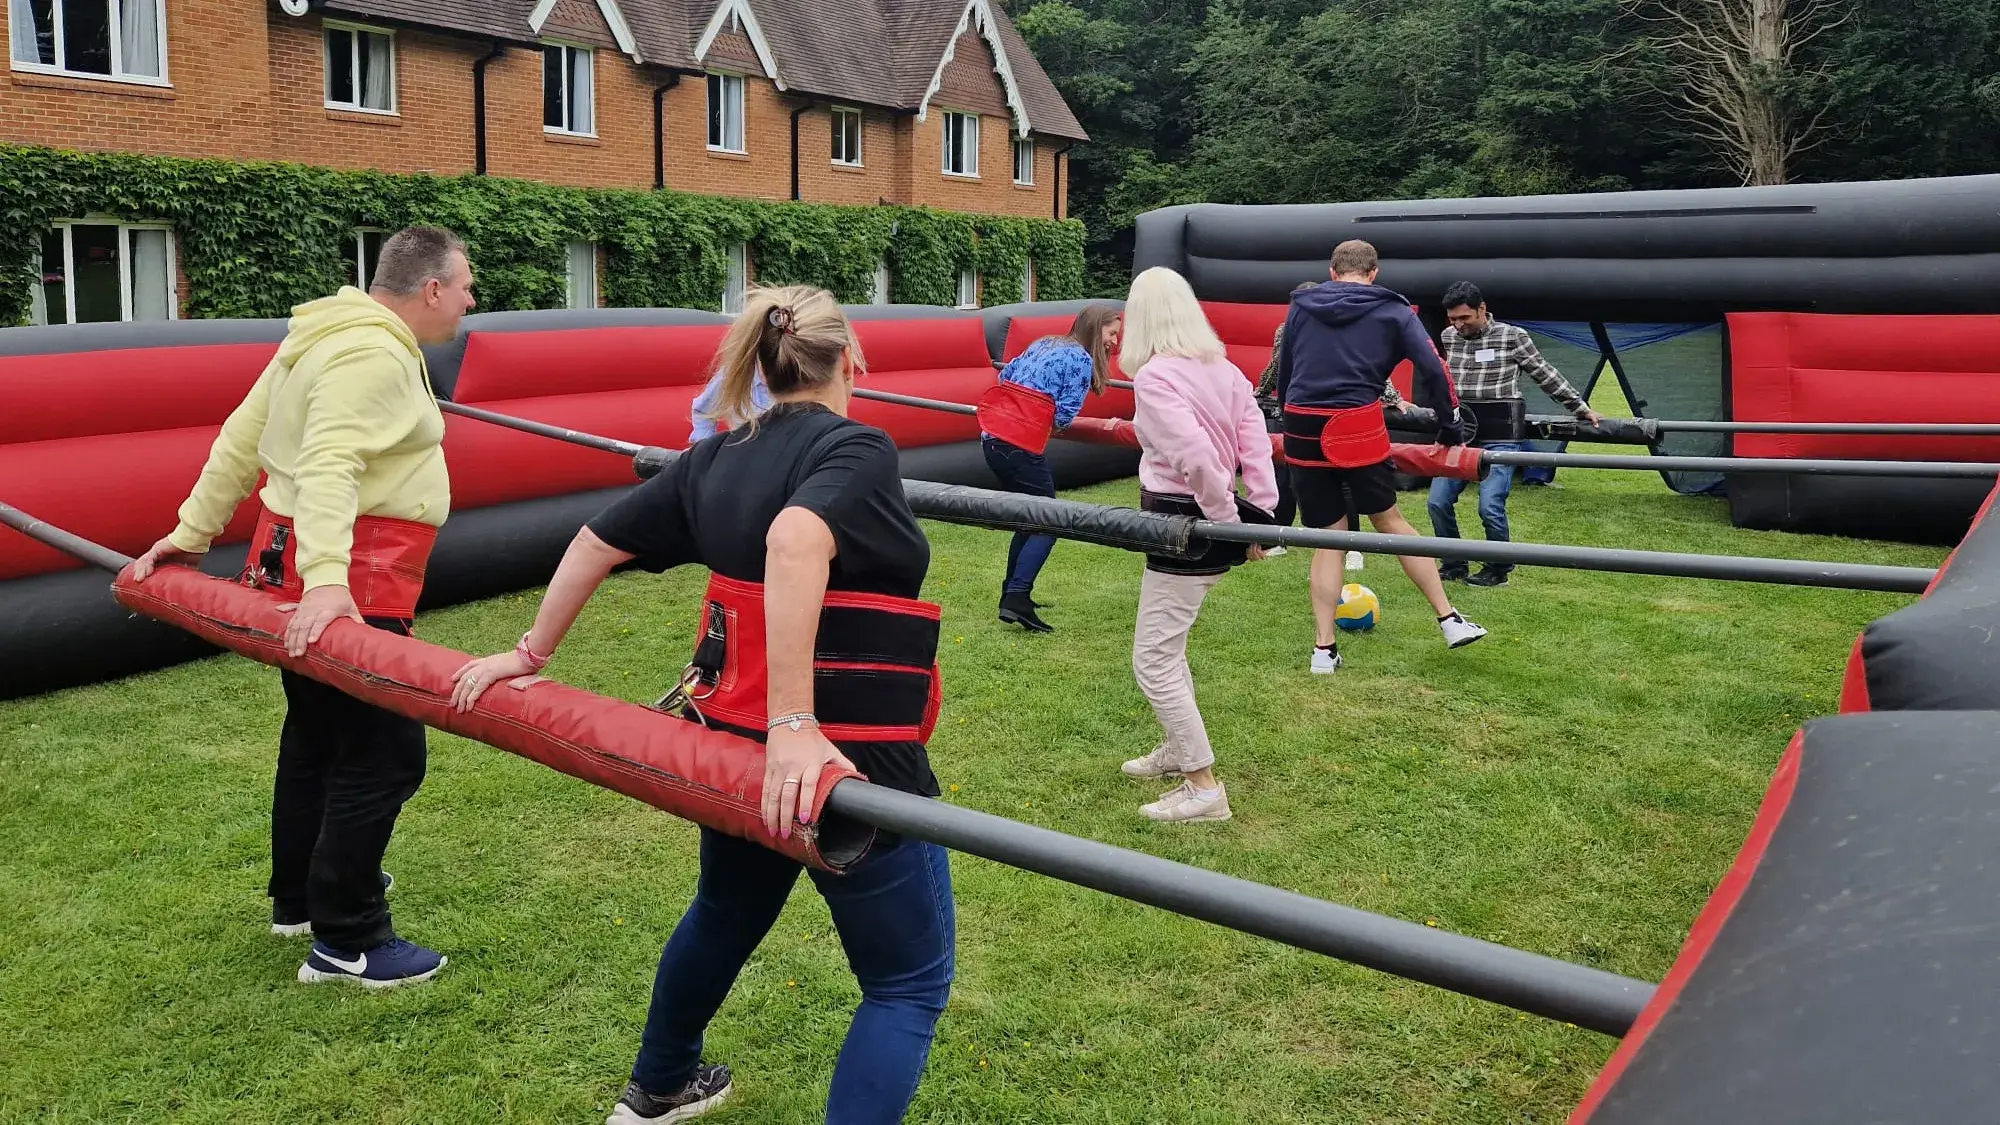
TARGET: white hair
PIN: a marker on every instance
(1162, 317)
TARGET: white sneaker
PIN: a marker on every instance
(1355, 561)
(1184, 804)
(1275, 552)
(1162, 762)
(1458, 632)
(1325, 663)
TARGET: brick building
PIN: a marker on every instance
(922, 102)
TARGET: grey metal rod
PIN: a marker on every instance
(42, 531)
(1661, 463)
(1729, 568)
(912, 400)
(1528, 982)
(1929, 429)
(527, 426)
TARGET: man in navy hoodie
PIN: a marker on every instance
(1342, 339)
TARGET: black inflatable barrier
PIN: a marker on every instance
(1910, 246)
(1843, 971)
(1943, 652)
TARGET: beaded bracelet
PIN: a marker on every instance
(527, 654)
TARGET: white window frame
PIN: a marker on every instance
(964, 121)
(125, 230)
(968, 289)
(567, 70)
(581, 291)
(357, 30)
(736, 283)
(839, 116)
(1024, 145)
(361, 278)
(882, 289)
(114, 10)
(727, 82)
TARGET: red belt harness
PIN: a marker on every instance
(1323, 437)
(1020, 416)
(875, 674)
(385, 570)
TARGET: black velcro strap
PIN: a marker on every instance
(876, 636)
(874, 697)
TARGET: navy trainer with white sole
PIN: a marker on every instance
(392, 963)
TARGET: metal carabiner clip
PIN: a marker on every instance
(683, 695)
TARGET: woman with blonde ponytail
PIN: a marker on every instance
(816, 562)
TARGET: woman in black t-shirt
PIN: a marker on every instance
(800, 517)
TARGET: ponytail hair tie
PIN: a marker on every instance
(780, 318)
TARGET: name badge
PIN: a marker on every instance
(1485, 355)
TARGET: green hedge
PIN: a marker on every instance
(256, 239)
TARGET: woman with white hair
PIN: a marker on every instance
(1199, 426)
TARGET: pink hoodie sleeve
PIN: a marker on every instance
(1253, 450)
(1168, 422)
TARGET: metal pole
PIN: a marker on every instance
(574, 437)
(1926, 429)
(1525, 981)
(1518, 979)
(1729, 568)
(912, 400)
(1663, 463)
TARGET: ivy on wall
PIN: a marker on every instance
(256, 239)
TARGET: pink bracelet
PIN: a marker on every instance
(522, 650)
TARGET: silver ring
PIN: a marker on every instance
(790, 781)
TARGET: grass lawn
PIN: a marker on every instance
(1573, 785)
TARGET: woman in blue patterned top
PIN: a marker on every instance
(1040, 392)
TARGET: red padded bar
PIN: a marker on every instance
(708, 777)
(82, 394)
(1807, 367)
(121, 490)
(510, 365)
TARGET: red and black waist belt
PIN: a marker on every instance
(385, 569)
(1020, 416)
(1326, 437)
(875, 674)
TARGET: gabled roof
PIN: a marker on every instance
(648, 31)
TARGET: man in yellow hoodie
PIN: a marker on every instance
(346, 430)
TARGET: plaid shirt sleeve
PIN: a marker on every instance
(1529, 359)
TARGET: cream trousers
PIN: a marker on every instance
(1168, 606)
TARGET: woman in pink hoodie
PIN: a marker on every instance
(1198, 426)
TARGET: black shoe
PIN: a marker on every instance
(1451, 572)
(1488, 576)
(1019, 609)
(703, 1092)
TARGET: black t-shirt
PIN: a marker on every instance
(714, 505)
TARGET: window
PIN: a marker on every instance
(582, 275)
(725, 112)
(847, 137)
(1024, 160)
(360, 69)
(568, 102)
(738, 280)
(968, 289)
(881, 291)
(1028, 280)
(367, 252)
(98, 271)
(123, 39)
(961, 144)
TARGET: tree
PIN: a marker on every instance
(1739, 69)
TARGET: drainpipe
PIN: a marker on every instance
(795, 147)
(660, 128)
(1057, 202)
(479, 106)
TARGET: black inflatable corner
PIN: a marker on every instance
(1160, 238)
(1943, 653)
(1853, 979)
(1929, 510)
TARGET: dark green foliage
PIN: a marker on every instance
(257, 239)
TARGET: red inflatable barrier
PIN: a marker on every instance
(708, 777)
(1461, 462)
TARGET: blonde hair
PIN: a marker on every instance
(1162, 317)
(796, 334)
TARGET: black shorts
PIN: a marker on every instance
(1324, 495)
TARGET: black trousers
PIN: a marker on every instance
(345, 769)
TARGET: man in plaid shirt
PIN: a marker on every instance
(1487, 358)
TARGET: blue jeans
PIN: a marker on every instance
(894, 914)
(1494, 488)
(1024, 472)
